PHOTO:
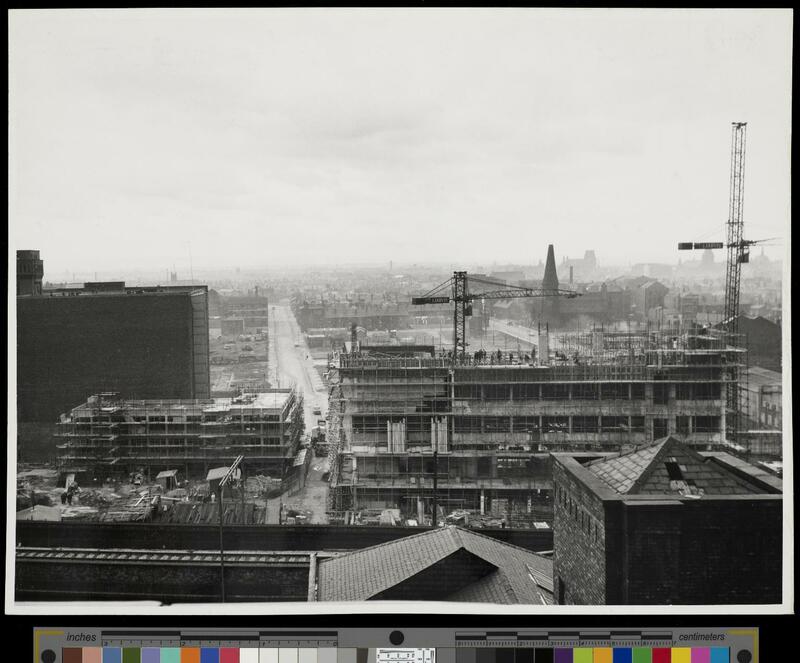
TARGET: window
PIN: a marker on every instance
(637, 392)
(468, 391)
(526, 391)
(674, 469)
(369, 424)
(707, 391)
(526, 424)
(584, 425)
(585, 392)
(614, 391)
(511, 466)
(496, 424)
(554, 392)
(707, 424)
(467, 424)
(682, 424)
(660, 394)
(613, 424)
(555, 424)
(497, 392)
(637, 424)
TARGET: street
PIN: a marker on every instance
(291, 364)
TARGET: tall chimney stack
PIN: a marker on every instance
(30, 270)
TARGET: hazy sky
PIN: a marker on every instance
(264, 137)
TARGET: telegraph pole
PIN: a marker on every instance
(220, 490)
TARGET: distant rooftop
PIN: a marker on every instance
(274, 399)
(116, 288)
(756, 375)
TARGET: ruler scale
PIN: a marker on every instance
(593, 645)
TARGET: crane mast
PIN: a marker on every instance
(460, 294)
(737, 254)
(737, 251)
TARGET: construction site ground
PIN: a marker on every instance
(224, 376)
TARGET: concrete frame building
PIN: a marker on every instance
(109, 436)
(485, 430)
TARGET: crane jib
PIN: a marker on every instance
(417, 301)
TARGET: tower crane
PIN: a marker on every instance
(460, 294)
(738, 254)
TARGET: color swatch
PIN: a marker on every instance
(579, 654)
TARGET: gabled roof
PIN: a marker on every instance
(621, 472)
(669, 467)
(513, 574)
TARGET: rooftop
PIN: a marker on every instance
(113, 288)
(756, 375)
(447, 564)
(669, 467)
(274, 399)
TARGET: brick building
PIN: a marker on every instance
(666, 524)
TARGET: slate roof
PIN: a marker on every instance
(521, 576)
(645, 472)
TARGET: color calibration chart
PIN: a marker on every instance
(369, 645)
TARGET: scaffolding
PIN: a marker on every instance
(493, 421)
(112, 436)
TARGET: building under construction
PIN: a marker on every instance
(109, 436)
(411, 432)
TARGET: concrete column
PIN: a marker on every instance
(483, 502)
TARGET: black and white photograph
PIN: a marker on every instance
(477, 309)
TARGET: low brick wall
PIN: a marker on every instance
(72, 580)
(159, 536)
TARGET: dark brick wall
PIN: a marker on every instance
(81, 581)
(72, 347)
(703, 552)
(238, 537)
(579, 535)
(35, 442)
